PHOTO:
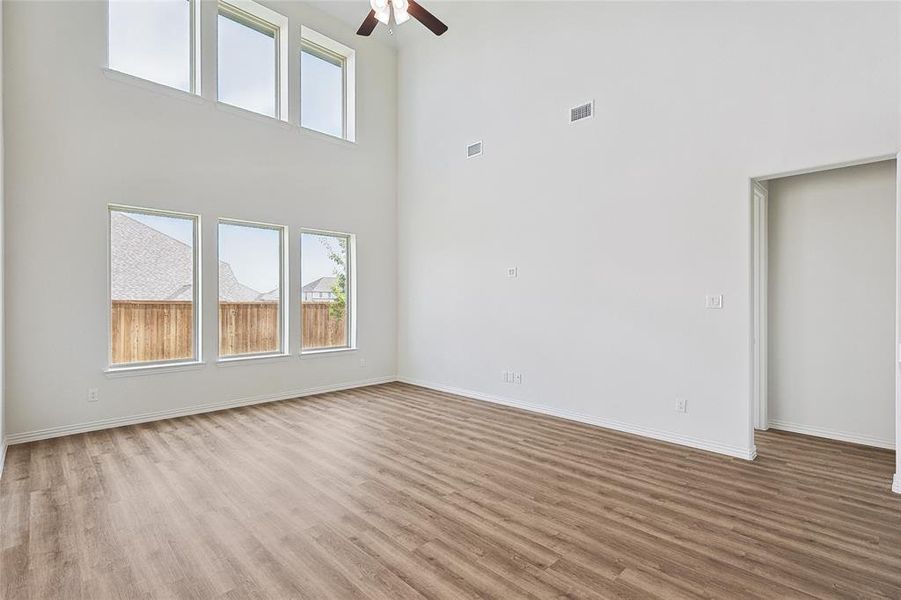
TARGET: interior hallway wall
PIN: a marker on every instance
(831, 304)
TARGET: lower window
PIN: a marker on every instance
(153, 286)
(251, 320)
(325, 276)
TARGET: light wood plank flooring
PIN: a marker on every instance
(395, 492)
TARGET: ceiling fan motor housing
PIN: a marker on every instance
(402, 10)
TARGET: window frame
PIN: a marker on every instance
(351, 293)
(327, 49)
(283, 342)
(264, 20)
(197, 294)
(194, 78)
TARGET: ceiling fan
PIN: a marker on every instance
(403, 10)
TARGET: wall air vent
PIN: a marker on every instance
(474, 150)
(583, 111)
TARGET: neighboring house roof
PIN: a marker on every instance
(230, 290)
(270, 296)
(137, 248)
(323, 284)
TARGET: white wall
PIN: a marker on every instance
(831, 304)
(637, 213)
(2, 262)
(78, 139)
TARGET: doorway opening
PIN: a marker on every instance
(825, 300)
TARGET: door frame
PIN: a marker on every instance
(896, 480)
(759, 303)
(758, 209)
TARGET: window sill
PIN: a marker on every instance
(197, 98)
(230, 361)
(153, 86)
(327, 137)
(153, 369)
(252, 115)
(325, 352)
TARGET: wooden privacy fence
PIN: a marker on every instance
(153, 331)
(144, 331)
(319, 329)
(248, 327)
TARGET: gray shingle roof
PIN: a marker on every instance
(138, 249)
(270, 296)
(323, 284)
(230, 290)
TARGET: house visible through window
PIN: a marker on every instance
(153, 286)
(326, 85)
(250, 288)
(326, 302)
(154, 40)
(251, 57)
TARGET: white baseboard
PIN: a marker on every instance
(896, 483)
(841, 436)
(664, 436)
(52, 432)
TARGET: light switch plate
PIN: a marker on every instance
(715, 301)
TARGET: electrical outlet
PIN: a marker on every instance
(512, 272)
(362, 362)
(93, 395)
(681, 405)
(506, 375)
(517, 377)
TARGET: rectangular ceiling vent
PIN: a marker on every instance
(583, 111)
(474, 150)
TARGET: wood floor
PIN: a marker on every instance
(394, 492)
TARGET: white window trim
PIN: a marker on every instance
(238, 9)
(283, 297)
(351, 300)
(152, 369)
(310, 36)
(321, 353)
(195, 78)
(244, 359)
(135, 367)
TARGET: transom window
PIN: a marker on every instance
(326, 85)
(159, 40)
(155, 40)
(251, 62)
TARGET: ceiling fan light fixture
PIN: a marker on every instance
(400, 11)
(382, 10)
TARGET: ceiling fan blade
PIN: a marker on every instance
(369, 24)
(426, 18)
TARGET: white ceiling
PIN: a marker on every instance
(351, 12)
